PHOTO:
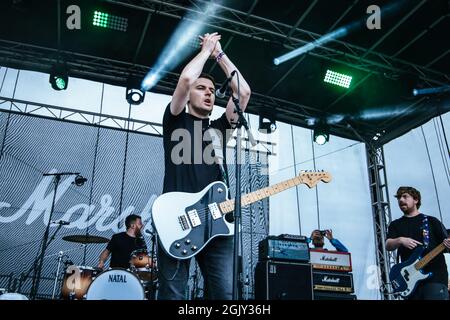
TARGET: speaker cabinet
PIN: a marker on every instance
(276, 280)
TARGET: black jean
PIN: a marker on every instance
(216, 265)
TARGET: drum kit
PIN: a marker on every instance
(87, 283)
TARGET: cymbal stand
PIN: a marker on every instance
(60, 257)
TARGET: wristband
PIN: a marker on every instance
(219, 56)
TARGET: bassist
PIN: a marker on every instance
(415, 229)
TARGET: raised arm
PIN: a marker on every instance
(245, 92)
(191, 72)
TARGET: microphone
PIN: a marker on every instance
(60, 222)
(68, 263)
(220, 93)
(148, 231)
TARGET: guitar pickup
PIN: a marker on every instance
(215, 211)
(183, 222)
(194, 218)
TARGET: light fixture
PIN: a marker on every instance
(109, 21)
(267, 125)
(134, 94)
(338, 79)
(59, 78)
(321, 134)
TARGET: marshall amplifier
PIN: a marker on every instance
(333, 281)
(284, 247)
(320, 295)
(276, 280)
(330, 260)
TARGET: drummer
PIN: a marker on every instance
(123, 244)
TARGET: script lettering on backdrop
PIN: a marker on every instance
(40, 203)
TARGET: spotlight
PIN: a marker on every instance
(435, 90)
(267, 125)
(59, 78)
(321, 134)
(134, 94)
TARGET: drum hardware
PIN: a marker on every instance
(152, 286)
(37, 265)
(61, 255)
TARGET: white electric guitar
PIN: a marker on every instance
(186, 222)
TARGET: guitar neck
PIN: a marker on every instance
(249, 198)
(430, 256)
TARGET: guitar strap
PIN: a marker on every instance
(220, 155)
(425, 231)
(425, 234)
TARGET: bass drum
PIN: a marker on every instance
(116, 284)
(13, 296)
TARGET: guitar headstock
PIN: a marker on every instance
(311, 178)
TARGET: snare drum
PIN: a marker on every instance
(116, 284)
(76, 281)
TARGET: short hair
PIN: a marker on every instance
(413, 192)
(207, 76)
(131, 219)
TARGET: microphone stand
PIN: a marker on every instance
(45, 242)
(237, 260)
(153, 266)
(36, 261)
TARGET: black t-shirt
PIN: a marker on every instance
(412, 228)
(191, 175)
(121, 246)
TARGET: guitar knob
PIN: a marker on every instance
(184, 252)
(193, 248)
(177, 245)
(187, 241)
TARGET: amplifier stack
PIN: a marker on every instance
(283, 271)
(289, 270)
(332, 277)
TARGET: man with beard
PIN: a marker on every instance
(123, 244)
(417, 229)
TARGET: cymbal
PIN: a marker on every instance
(82, 238)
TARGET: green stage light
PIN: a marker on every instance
(338, 79)
(61, 84)
(109, 21)
(59, 78)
